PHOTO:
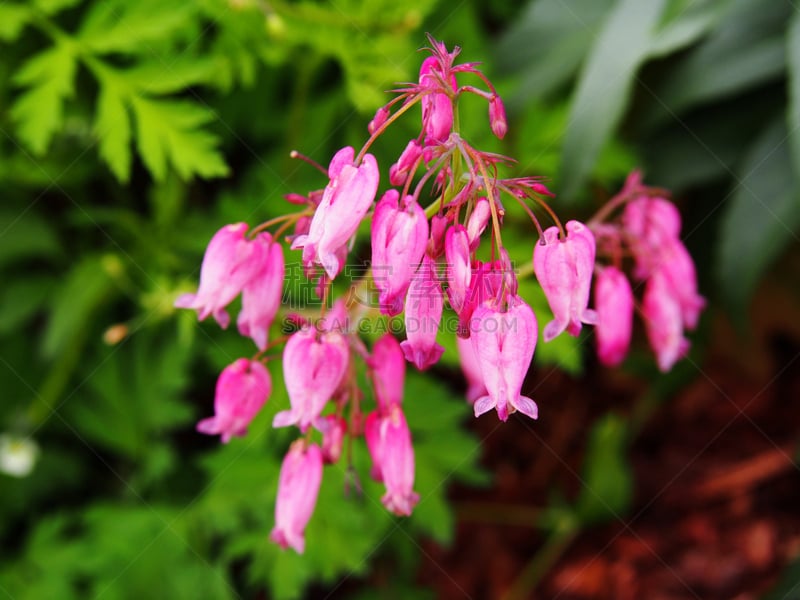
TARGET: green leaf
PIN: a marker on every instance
(24, 234)
(136, 27)
(793, 59)
(606, 475)
(706, 148)
(113, 129)
(604, 86)
(51, 7)
(685, 22)
(563, 30)
(761, 217)
(49, 79)
(85, 288)
(13, 18)
(169, 133)
(134, 398)
(746, 49)
(21, 299)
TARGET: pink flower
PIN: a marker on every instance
(346, 199)
(314, 365)
(654, 221)
(477, 221)
(381, 115)
(471, 369)
(564, 270)
(399, 238)
(262, 295)
(388, 371)
(389, 442)
(678, 267)
(372, 435)
(459, 266)
(399, 171)
(333, 429)
(663, 322)
(437, 107)
(229, 263)
(613, 298)
(298, 488)
(504, 343)
(242, 389)
(497, 117)
(423, 313)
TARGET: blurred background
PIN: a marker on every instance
(131, 131)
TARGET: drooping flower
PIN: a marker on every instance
(372, 435)
(314, 365)
(653, 221)
(298, 488)
(471, 369)
(333, 429)
(399, 239)
(459, 267)
(242, 389)
(678, 267)
(564, 270)
(388, 371)
(229, 263)
(504, 343)
(477, 221)
(613, 300)
(346, 199)
(663, 321)
(389, 442)
(424, 304)
(262, 295)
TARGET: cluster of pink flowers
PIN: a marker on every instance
(423, 253)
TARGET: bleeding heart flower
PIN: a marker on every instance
(242, 389)
(564, 270)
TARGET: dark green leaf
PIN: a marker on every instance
(86, 286)
(762, 216)
(686, 21)
(793, 59)
(24, 234)
(21, 299)
(745, 50)
(604, 86)
(563, 31)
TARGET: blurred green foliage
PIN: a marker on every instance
(131, 131)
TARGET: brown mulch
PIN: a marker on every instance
(717, 483)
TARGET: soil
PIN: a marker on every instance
(716, 484)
